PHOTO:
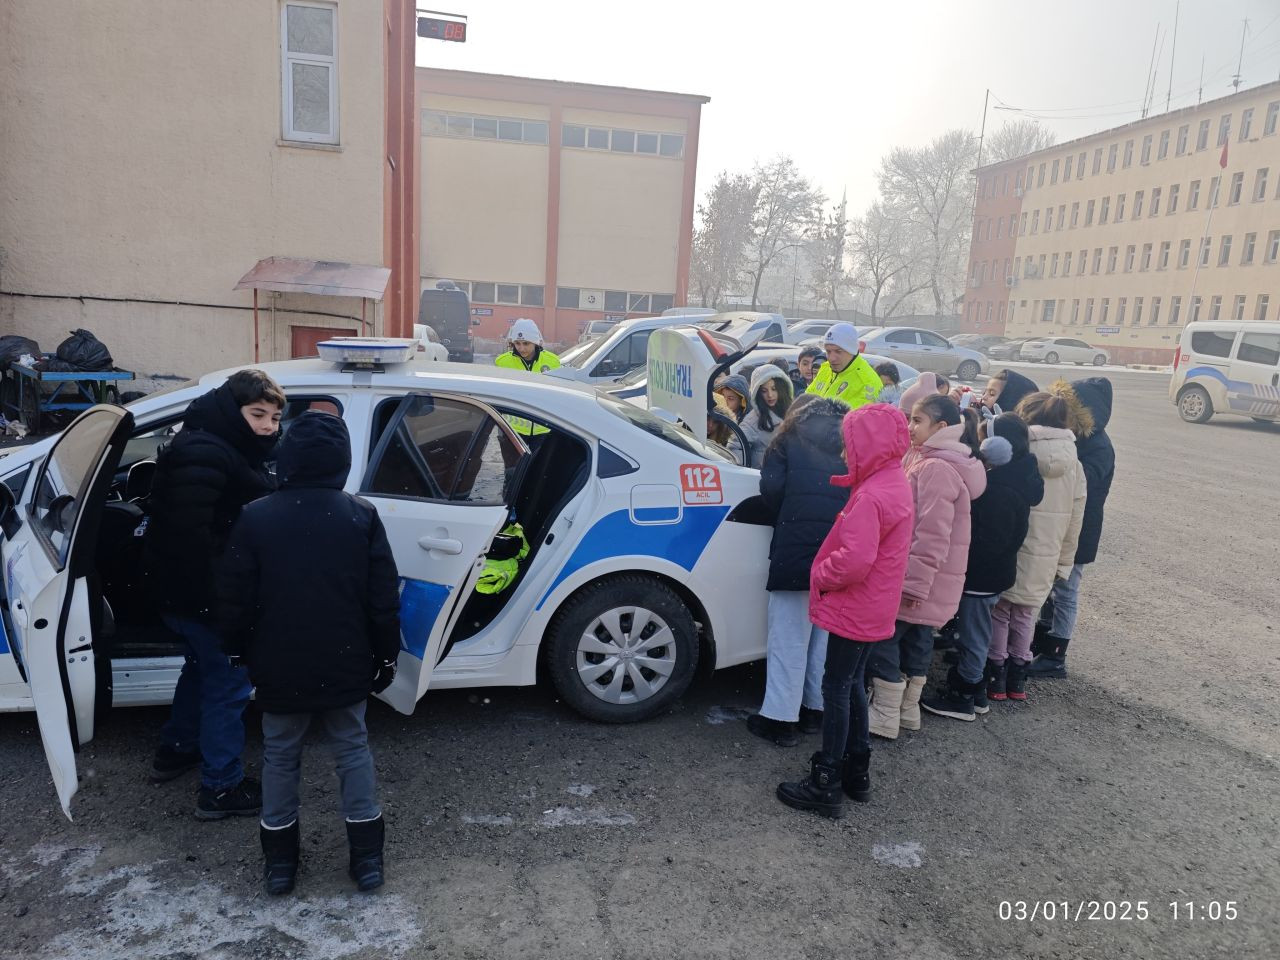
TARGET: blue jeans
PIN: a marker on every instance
(1066, 604)
(844, 697)
(797, 652)
(909, 651)
(975, 635)
(208, 705)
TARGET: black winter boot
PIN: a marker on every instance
(1041, 642)
(810, 720)
(996, 680)
(820, 793)
(857, 776)
(1052, 662)
(365, 837)
(778, 732)
(279, 858)
(1015, 683)
(955, 700)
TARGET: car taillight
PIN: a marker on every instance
(1177, 358)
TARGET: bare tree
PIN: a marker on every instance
(830, 276)
(719, 256)
(879, 246)
(1016, 139)
(786, 209)
(931, 188)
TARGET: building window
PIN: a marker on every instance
(1163, 262)
(531, 295)
(1112, 152)
(1155, 202)
(597, 139)
(1053, 266)
(1164, 145)
(1213, 192)
(1202, 135)
(1237, 187)
(1147, 249)
(1224, 251)
(508, 293)
(1022, 227)
(1104, 312)
(647, 143)
(999, 229)
(1246, 124)
(1237, 309)
(1247, 248)
(1130, 255)
(1035, 221)
(623, 141)
(1017, 266)
(1066, 167)
(1273, 113)
(1017, 184)
(661, 302)
(1175, 311)
(1137, 204)
(1184, 254)
(1040, 177)
(1121, 304)
(567, 297)
(1273, 246)
(1040, 266)
(1049, 307)
(484, 293)
(309, 69)
(1088, 213)
(1260, 312)
(1183, 132)
(671, 146)
(1080, 165)
(1084, 263)
(1066, 264)
(1206, 243)
(1224, 129)
(572, 135)
(1097, 161)
(638, 303)
(1105, 211)
(1154, 317)
(1146, 149)
(1053, 174)
(1013, 225)
(1088, 312)
(1113, 257)
(1193, 195)
(1097, 260)
(1048, 219)
(1196, 303)
(1260, 185)
(1128, 154)
(1075, 214)
(615, 301)
(1215, 309)
(1062, 215)
(436, 123)
(1119, 207)
(1174, 190)
(1075, 311)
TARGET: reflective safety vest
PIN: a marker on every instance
(856, 385)
(498, 574)
(543, 360)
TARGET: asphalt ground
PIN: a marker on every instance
(1147, 778)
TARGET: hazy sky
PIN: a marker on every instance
(836, 85)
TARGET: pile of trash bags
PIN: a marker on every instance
(81, 352)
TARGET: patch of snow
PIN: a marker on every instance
(905, 855)
(578, 817)
(717, 716)
(580, 789)
(487, 819)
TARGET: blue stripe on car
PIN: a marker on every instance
(616, 535)
(420, 606)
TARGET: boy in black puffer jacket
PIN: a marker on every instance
(1089, 412)
(310, 598)
(1000, 519)
(204, 477)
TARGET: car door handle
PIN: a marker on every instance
(443, 544)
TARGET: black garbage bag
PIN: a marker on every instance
(13, 346)
(81, 352)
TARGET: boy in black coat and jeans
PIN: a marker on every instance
(310, 598)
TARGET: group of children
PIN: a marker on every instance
(974, 513)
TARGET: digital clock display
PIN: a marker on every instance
(435, 29)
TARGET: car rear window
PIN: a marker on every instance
(1261, 348)
(1212, 343)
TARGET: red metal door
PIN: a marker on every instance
(303, 340)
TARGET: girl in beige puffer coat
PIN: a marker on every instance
(1049, 549)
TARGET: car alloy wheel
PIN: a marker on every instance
(1051, 357)
(1099, 360)
(969, 370)
(627, 654)
(1194, 405)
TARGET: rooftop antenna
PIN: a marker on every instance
(1168, 97)
(1235, 81)
(1200, 92)
(1146, 93)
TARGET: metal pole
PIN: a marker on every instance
(255, 325)
(1173, 50)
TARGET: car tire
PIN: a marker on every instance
(1099, 359)
(593, 620)
(969, 370)
(1194, 405)
(1050, 357)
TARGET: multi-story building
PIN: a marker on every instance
(1122, 237)
(563, 202)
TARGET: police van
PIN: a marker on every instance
(1229, 368)
(634, 526)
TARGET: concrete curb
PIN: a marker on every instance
(1148, 366)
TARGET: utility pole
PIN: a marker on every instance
(1235, 81)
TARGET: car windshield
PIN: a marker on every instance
(658, 427)
(578, 356)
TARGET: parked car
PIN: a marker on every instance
(596, 328)
(926, 351)
(1009, 350)
(620, 600)
(1231, 368)
(982, 342)
(447, 311)
(1063, 350)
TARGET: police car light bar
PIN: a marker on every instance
(377, 351)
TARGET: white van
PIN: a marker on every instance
(1227, 368)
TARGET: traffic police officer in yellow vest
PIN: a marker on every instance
(527, 353)
(845, 376)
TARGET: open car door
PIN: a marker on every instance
(685, 361)
(442, 477)
(48, 559)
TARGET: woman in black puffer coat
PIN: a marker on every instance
(795, 483)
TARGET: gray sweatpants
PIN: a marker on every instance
(348, 740)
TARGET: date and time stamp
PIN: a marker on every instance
(1118, 911)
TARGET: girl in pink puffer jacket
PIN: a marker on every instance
(854, 590)
(945, 477)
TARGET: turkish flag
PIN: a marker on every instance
(1222, 161)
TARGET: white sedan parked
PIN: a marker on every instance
(1063, 350)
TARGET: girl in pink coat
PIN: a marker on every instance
(854, 589)
(945, 476)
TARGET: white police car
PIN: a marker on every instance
(635, 528)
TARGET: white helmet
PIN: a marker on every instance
(525, 329)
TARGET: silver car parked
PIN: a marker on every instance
(926, 351)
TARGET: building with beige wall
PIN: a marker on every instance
(563, 202)
(151, 154)
(1123, 237)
